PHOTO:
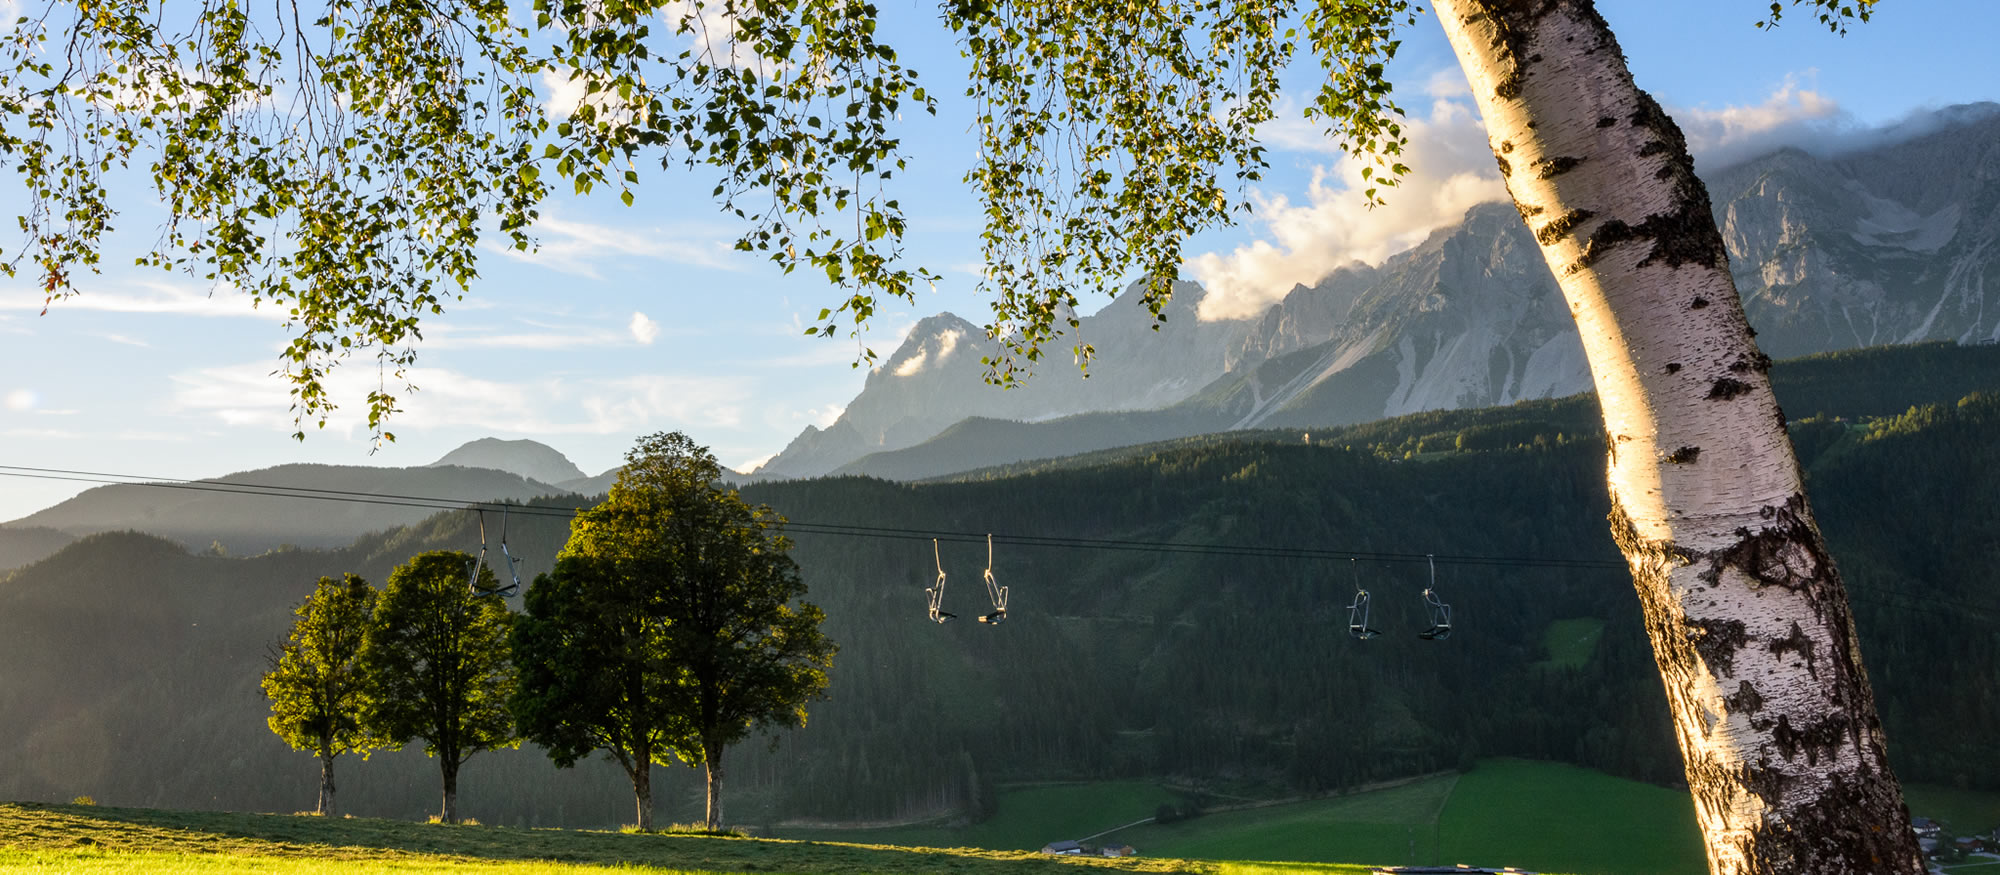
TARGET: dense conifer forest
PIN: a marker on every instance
(131, 663)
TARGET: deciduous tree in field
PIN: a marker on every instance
(1108, 133)
(596, 672)
(722, 646)
(438, 661)
(316, 686)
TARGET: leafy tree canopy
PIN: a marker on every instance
(341, 160)
(438, 656)
(315, 684)
(716, 575)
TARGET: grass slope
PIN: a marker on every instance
(1396, 826)
(1028, 818)
(1551, 816)
(67, 838)
(1547, 817)
(1571, 642)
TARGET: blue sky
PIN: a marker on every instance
(634, 320)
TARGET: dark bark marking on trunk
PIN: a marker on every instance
(1609, 234)
(1682, 456)
(1725, 389)
(1787, 554)
(1672, 368)
(1744, 701)
(1559, 228)
(1816, 739)
(1606, 122)
(1718, 641)
(1506, 169)
(1698, 303)
(1550, 168)
(1798, 643)
(1513, 21)
(1527, 212)
(1831, 844)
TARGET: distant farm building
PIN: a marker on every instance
(1062, 847)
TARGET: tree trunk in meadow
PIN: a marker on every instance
(712, 756)
(448, 768)
(1747, 615)
(642, 788)
(326, 785)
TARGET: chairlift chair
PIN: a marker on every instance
(1357, 613)
(479, 563)
(1440, 613)
(994, 591)
(936, 590)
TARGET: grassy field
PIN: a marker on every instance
(66, 838)
(1962, 812)
(1028, 818)
(1550, 816)
(1534, 815)
(1571, 642)
(1546, 817)
(1391, 826)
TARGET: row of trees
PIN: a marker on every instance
(668, 630)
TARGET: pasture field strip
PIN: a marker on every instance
(30, 832)
(98, 862)
(1572, 642)
(1963, 812)
(1028, 819)
(1394, 825)
(1551, 816)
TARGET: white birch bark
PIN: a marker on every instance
(1748, 618)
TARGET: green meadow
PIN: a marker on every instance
(1545, 817)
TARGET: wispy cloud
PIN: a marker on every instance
(1453, 169)
(245, 395)
(128, 341)
(580, 248)
(150, 296)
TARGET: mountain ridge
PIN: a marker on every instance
(1889, 242)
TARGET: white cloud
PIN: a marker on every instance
(823, 416)
(246, 395)
(128, 341)
(644, 329)
(750, 465)
(151, 296)
(580, 247)
(571, 89)
(1792, 116)
(1452, 169)
(22, 400)
(715, 33)
(914, 364)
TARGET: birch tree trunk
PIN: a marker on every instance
(1747, 615)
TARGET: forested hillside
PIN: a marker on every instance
(128, 666)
